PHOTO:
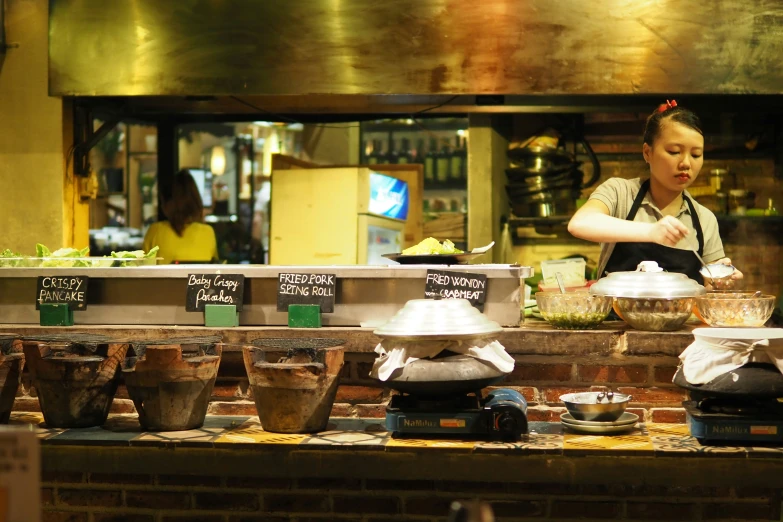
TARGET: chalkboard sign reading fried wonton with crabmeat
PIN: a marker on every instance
(316, 289)
(214, 289)
(443, 284)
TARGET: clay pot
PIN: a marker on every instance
(75, 382)
(171, 384)
(11, 364)
(294, 382)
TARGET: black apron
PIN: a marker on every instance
(626, 256)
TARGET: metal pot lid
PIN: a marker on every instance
(438, 318)
(647, 284)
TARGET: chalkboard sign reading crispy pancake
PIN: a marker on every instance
(316, 289)
(442, 284)
(214, 289)
(70, 290)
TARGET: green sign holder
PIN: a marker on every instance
(59, 314)
(304, 316)
(221, 316)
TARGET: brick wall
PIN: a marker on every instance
(547, 366)
(98, 497)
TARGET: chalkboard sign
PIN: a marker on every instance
(443, 284)
(70, 290)
(214, 289)
(317, 289)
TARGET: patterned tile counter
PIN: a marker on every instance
(545, 438)
(231, 470)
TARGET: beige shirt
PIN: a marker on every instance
(618, 195)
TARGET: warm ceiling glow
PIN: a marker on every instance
(218, 162)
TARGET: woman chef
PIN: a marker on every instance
(655, 219)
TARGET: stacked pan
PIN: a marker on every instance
(546, 182)
(542, 182)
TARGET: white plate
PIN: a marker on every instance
(627, 418)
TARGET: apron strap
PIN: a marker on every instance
(637, 202)
(696, 224)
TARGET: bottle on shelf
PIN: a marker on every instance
(417, 154)
(404, 155)
(458, 161)
(366, 151)
(430, 163)
(392, 156)
(443, 172)
(377, 155)
(771, 210)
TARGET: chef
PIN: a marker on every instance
(655, 219)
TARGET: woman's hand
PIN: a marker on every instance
(736, 275)
(723, 285)
(668, 231)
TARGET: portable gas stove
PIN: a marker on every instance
(715, 420)
(501, 415)
(741, 406)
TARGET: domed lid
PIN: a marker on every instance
(438, 318)
(648, 281)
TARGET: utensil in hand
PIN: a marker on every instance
(481, 250)
(559, 278)
(704, 265)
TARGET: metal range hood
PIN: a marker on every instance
(358, 56)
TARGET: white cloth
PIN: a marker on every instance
(708, 358)
(393, 355)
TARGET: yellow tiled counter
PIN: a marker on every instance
(356, 471)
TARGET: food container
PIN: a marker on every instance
(719, 275)
(438, 319)
(573, 310)
(596, 406)
(648, 300)
(76, 262)
(654, 314)
(739, 309)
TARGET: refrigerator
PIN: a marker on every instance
(336, 216)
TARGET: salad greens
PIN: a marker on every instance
(133, 254)
(76, 258)
(7, 253)
(432, 246)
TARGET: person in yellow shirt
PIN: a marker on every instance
(183, 236)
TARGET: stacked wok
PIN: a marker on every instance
(545, 182)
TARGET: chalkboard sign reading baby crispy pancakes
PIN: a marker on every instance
(70, 290)
(214, 289)
(316, 289)
(443, 284)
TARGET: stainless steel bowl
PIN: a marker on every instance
(655, 314)
(596, 406)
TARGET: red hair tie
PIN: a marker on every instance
(666, 106)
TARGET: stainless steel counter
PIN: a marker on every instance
(366, 295)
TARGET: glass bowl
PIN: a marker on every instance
(654, 314)
(573, 310)
(735, 309)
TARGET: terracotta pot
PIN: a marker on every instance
(11, 364)
(76, 383)
(294, 382)
(171, 386)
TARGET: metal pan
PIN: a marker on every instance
(444, 376)
(517, 173)
(539, 157)
(433, 259)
